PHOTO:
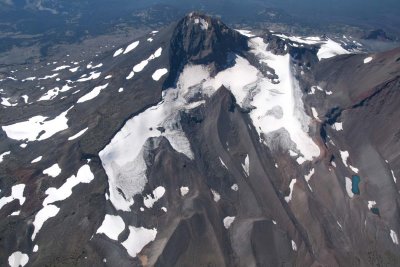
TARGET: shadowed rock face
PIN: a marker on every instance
(235, 199)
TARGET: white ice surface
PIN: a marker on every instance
(286, 95)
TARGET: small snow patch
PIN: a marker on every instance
(138, 238)
(78, 134)
(246, 165)
(228, 221)
(348, 187)
(294, 246)
(18, 259)
(184, 190)
(42, 216)
(216, 196)
(112, 226)
(291, 185)
(53, 171)
(367, 60)
(158, 193)
(92, 94)
(394, 237)
(4, 154)
(159, 73)
(37, 159)
(130, 47)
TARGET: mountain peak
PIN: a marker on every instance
(201, 39)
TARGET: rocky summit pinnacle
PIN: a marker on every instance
(201, 39)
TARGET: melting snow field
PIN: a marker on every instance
(31, 128)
